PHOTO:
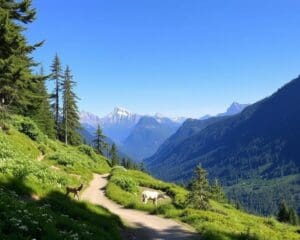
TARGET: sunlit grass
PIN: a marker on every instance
(222, 221)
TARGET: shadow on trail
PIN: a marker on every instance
(173, 233)
(54, 216)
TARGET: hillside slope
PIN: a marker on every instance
(34, 172)
(258, 145)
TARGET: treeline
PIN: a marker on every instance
(111, 151)
(23, 84)
(24, 92)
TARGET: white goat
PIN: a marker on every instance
(154, 196)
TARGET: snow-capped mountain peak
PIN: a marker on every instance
(121, 112)
(121, 115)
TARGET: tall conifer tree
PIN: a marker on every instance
(113, 153)
(70, 120)
(17, 83)
(217, 192)
(43, 116)
(283, 213)
(200, 190)
(99, 141)
(57, 77)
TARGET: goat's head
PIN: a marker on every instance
(162, 196)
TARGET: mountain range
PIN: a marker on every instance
(255, 154)
(136, 135)
(116, 125)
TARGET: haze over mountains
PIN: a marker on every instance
(146, 137)
(255, 154)
(136, 135)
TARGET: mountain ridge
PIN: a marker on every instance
(148, 135)
(259, 143)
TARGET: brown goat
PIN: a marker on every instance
(74, 190)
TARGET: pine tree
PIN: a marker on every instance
(70, 120)
(43, 116)
(113, 153)
(123, 162)
(142, 167)
(57, 76)
(239, 206)
(129, 164)
(17, 82)
(283, 213)
(135, 166)
(99, 141)
(293, 217)
(217, 192)
(199, 194)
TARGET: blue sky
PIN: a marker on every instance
(175, 57)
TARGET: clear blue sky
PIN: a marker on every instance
(176, 57)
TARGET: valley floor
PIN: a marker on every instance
(141, 224)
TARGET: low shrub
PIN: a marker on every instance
(127, 184)
(87, 150)
(43, 148)
(28, 127)
(116, 168)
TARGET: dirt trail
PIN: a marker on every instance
(142, 226)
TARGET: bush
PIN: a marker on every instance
(43, 148)
(62, 158)
(121, 168)
(5, 128)
(127, 184)
(87, 150)
(248, 235)
(28, 127)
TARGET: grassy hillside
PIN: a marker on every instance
(34, 172)
(222, 221)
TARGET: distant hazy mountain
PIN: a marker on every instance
(146, 137)
(116, 125)
(255, 154)
(133, 133)
(193, 126)
(205, 117)
(234, 108)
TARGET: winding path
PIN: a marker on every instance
(141, 225)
